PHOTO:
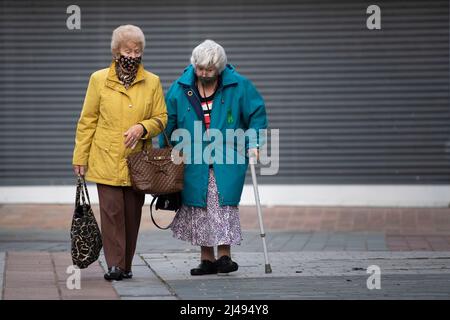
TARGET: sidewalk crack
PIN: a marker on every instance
(56, 276)
(171, 290)
(4, 276)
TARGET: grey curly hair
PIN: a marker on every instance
(209, 53)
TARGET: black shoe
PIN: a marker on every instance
(114, 273)
(225, 265)
(205, 267)
(127, 275)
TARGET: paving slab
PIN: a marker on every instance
(398, 287)
(311, 275)
(145, 284)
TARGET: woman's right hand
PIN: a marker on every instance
(79, 170)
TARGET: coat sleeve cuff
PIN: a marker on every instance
(145, 133)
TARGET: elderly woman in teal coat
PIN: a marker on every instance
(215, 116)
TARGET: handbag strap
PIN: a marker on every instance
(79, 190)
(86, 190)
(151, 215)
(166, 138)
(82, 189)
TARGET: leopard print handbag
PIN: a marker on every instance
(86, 239)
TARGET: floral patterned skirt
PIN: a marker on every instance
(211, 226)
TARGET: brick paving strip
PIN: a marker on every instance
(42, 276)
(395, 221)
(406, 229)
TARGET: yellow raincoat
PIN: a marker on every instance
(109, 110)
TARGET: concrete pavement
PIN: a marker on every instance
(318, 260)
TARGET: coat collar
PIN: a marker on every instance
(114, 82)
(228, 76)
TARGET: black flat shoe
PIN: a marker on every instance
(225, 265)
(127, 275)
(114, 273)
(205, 267)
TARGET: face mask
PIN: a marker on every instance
(128, 63)
(207, 80)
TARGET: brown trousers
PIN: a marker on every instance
(120, 214)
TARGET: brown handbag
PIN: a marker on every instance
(153, 171)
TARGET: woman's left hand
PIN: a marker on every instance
(254, 152)
(133, 135)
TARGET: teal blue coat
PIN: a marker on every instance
(237, 105)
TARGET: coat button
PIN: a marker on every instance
(130, 106)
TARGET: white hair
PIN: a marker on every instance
(209, 53)
(124, 34)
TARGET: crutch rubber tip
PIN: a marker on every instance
(268, 268)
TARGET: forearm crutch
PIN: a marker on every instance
(253, 161)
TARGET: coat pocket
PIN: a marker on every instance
(103, 160)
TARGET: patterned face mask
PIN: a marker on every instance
(126, 69)
(128, 63)
(208, 80)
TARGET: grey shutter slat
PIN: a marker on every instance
(352, 105)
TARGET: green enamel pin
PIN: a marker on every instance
(229, 117)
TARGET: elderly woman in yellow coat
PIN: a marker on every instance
(119, 112)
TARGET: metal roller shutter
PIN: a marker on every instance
(353, 105)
